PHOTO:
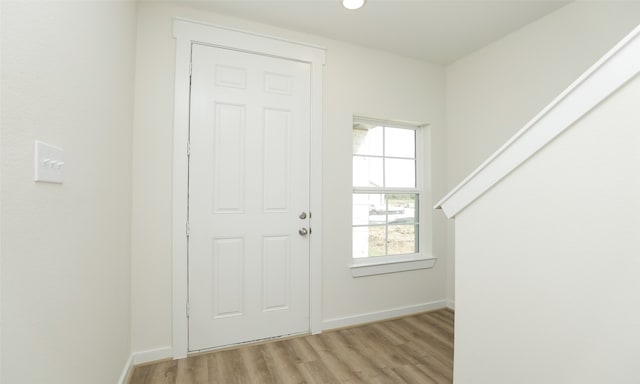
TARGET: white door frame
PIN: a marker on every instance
(186, 32)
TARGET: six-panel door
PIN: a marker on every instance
(248, 185)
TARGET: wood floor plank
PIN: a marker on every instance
(437, 370)
(416, 349)
(446, 316)
(224, 367)
(430, 331)
(257, 370)
(412, 374)
(200, 365)
(339, 367)
(215, 370)
(163, 373)
(382, 354)
(420, 346)
(344, 350)
(428, 335)
(140, 374)
(383, 376)
(193, 371)
(445, 326)
(315, 372)
(280, 364)
(303, 351)
(186, 372)
(388, 333)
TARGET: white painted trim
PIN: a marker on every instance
(451, 304)
(187, 32)
(197, 27)
(151, 355)
(226, 37)
(369, 269)
(608, 74)
(180, 291)
(143, 357)
(350, 321)
(315, 188)
(1, 317)
(127, 370)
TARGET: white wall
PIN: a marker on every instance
(356, 81)
(495, 91)
(547, 261)
(1, 92)
(67, 79)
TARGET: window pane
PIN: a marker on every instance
(402, 239)
(384, 159)
(403, 208)
(400, 142)
(369, 241)
(400, 173)
(377, 240)
(367, 140)
(373, 213)
(377, 209)
(367, 171)
(369, 209)
(360, 242)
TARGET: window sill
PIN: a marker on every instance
(379, 268)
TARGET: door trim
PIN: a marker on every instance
(186, 32)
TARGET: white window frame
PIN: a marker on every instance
(375, 265)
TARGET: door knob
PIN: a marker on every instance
(303, 231)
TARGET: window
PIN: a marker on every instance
(387, 193)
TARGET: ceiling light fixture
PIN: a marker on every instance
(353, 4)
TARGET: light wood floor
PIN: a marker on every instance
(411, 350)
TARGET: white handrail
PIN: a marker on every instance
(612, 71)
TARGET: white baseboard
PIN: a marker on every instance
(382, 315)
(126, 371)
(451, 304)
(152, 355)
(141, 358)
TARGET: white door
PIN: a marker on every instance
(248, 197)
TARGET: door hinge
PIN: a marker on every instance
(188, 149)
(187, 229)
(190, 69)
(188, 309)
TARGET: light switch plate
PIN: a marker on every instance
(49, 163)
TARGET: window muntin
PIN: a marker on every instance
(386, 194)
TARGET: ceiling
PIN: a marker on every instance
(439, 31)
